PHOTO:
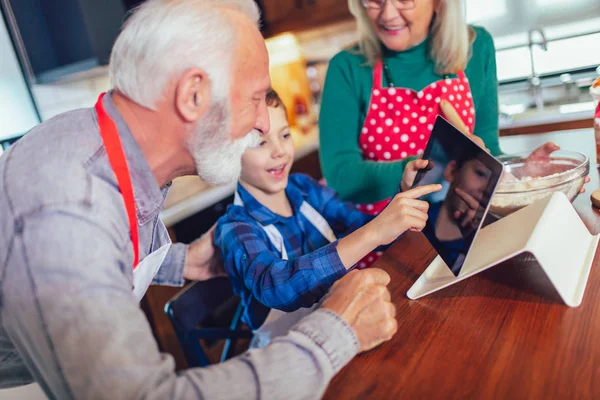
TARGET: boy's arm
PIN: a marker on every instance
(343, 217)
(350, 224)
(290, 284)
(346, 220)
(403, 213)
(282, 284)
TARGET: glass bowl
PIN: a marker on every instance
(532, 180)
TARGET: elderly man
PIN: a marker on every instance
(81, 237)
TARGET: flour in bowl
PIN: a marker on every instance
(527, 189)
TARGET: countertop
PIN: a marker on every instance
(549, 115)
(501, 334)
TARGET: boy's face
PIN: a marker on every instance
(472, 178)
(267, 166)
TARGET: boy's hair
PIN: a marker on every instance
(273, 100)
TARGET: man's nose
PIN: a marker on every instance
(263, 123)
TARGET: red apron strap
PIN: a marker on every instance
(116, 157)
(377, 70)
(461, 75)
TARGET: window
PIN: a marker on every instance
(567, 54)
(513, 64)
(571, 28)
(478, 10)
(17, 114)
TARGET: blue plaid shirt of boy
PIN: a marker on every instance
(259, 275)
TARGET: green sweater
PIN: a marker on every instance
(346, 97)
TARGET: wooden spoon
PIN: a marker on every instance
(453, 117)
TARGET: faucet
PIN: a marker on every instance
(543, 43)
(534, 80)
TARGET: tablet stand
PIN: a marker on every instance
(550, 230)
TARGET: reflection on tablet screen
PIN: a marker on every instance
(468, 175)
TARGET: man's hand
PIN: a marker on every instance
(363, 301)
(203, 260)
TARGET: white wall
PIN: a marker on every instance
(56, 98)
(17, 114)
(511, 17)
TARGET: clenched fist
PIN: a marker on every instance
(362, 299)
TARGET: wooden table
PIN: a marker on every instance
(502, 334)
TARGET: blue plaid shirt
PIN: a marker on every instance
(259, 275)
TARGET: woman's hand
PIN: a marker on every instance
(452, 115)
(536, 163)
(543, 153)
(479, 142)
(411, 170)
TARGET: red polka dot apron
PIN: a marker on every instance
(399, 122)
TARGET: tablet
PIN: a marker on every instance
(469, 176)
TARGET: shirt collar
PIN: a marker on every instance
(262, 214)
(149, 198)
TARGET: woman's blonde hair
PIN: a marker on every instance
(451, 37)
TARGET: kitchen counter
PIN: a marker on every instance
(544, 117)
(576, 139)
(189, 195)
(502, 334)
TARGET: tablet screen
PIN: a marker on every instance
(468, 175)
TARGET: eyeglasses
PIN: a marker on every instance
(379, 4)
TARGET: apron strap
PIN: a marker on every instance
(377, 75)
(461, 74)
(318, 221)
(237, 200)
(118, 162)
(272, 232)
(277, 240)
(311, 215)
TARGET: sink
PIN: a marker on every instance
(566, 98)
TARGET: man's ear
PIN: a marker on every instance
(449, 171)
(192, 94)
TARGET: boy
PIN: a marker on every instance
(454, 221)
(287, 239)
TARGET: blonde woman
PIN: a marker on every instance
(381, 97)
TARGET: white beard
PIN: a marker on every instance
(219, 159)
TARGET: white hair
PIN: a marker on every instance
(451, 37)
(163, 38)
(219, 159)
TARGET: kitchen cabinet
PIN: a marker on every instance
(294, 15)
(57, 38)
